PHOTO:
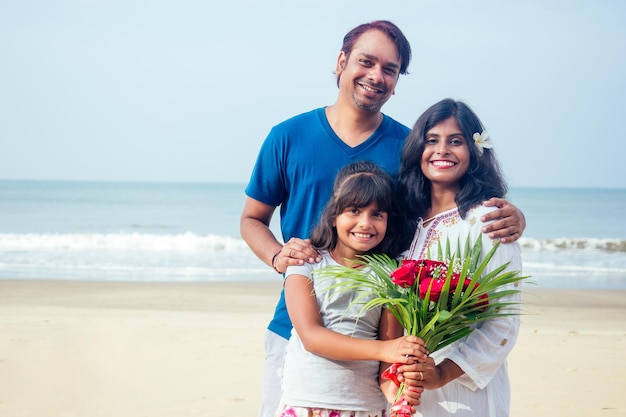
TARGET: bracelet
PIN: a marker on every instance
(274, 261)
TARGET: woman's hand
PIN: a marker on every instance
(421, 375)
(428, 375)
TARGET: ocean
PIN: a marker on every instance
(123, 231)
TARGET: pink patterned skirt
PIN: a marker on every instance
(289, 411)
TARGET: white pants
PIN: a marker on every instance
(272, 373)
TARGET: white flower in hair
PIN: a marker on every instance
(482, 141)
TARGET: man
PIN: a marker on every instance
(300, 157)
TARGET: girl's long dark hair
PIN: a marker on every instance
(482, 180)
(359, 185)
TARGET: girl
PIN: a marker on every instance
(447, 169)
(333, 358)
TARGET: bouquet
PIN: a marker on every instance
(437, 300)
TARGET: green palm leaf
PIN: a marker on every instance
(457, 307)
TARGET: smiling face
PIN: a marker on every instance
(369, 74)
(446, 155)
(359, 230)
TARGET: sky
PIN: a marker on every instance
(145, 90)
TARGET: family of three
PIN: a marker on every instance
(350, 181)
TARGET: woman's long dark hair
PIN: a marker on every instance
(359, 185)
(482, 180)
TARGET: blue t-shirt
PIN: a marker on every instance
(296, 168)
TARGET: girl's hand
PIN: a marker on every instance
(405, 350)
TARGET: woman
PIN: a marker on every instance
(447, 169)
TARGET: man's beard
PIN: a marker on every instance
(369, 107)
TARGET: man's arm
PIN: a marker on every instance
(509, 221)
(254, 229)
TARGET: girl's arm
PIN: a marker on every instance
(390, 329)
(413, 375)
(304, 314)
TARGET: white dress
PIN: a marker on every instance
(484, 390)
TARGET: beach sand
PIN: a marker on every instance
(90, 349)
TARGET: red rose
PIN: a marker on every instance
(484, 304)
(434, 269)
(405, 275)
(454, 281)
(435, 288)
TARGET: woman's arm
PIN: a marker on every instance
(476, 359)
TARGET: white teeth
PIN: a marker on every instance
(363, 235)
(367, 87)
(443, 163)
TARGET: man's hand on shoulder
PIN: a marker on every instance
(508, 221)
(295, 252)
